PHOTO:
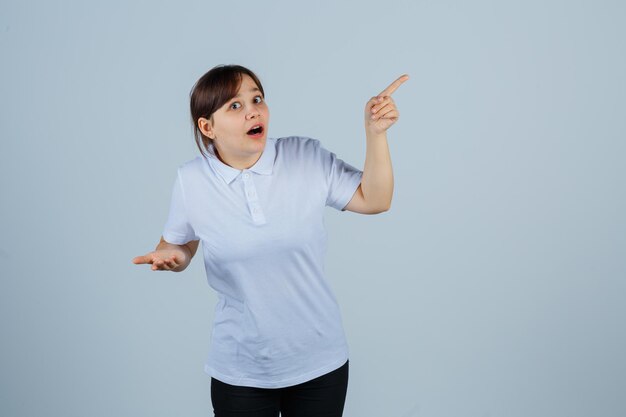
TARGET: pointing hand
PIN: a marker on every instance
(381, 111)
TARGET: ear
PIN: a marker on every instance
(206, 128)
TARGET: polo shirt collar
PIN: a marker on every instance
(263, 166)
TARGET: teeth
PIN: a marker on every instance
(256, 128)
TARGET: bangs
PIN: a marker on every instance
(212, 92)
(225, 86)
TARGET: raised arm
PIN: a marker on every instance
(376, 189)
(168, 256)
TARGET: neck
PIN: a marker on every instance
(238, 163)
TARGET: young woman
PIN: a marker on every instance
(257, 205)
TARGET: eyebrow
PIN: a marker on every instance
(251, 90)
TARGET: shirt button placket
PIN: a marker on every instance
(253, 199)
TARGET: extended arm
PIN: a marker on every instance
(376, 189)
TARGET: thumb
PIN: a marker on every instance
(146, 259)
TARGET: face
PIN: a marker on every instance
(238, 144)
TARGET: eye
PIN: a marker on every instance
(235, 105)
(258, 99)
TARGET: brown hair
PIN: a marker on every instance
(211, 92)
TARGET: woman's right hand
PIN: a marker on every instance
(163, 259)
(169, 257)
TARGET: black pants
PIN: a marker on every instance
(320, 397)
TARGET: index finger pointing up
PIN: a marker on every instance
(394, 86)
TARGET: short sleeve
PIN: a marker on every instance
(178, 229)
(342, 178)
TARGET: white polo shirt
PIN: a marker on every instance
(277, 322)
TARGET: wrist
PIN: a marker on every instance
(369, 135)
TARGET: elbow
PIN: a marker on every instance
(380, 209)
(386, 207)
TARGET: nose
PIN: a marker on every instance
(253, 113)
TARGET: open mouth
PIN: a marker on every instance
(256, 130)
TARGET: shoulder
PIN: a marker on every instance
(298, 146)
(192, 166)
(192, 169)
(296, 142)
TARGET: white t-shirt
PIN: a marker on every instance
(277, 322)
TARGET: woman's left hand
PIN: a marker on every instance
(381, 111)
